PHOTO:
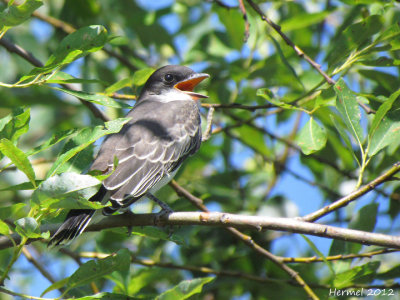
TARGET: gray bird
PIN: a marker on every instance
(163, 131)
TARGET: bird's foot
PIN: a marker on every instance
(165, 210)
(130, 214)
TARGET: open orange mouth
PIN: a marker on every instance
(187, 86)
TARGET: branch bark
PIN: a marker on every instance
(230, 220)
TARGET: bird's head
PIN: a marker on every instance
(174, 82)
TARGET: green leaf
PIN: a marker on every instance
(17, 14)
(55, 286)
(80, 162)
(234, 25)
(254, 138)
(363, 220)
(357, 275)
(17, 126)
(346, 104)
(158, 234)
(94, 98)
(285, 61)
(77, 44)
(126, 82)
(387, 132)
(354, 37)
(11, 211)
(22, 186)
(83, 139)
(68, 190)
(140, 77)
(379, 121)
(267, 95)
(28, 227)
(383, 79)
(319, 253)
(144, 277)
(93, 269)
(4, 229)
(390, 33)
(185, 289)
(304, 20)
(62, 78)
(106, 296)
(390, 274)
(18, 158)
(4, 121)
(57, 137)
(340, 128)
(312, 137)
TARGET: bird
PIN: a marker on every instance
(164, 130)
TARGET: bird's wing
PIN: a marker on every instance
(147, 150)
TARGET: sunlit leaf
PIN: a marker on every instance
(357, 275)
(95, 98)
(86, 137)
(312, 137)
(18, 158)
(346, 104)
(13, 128)
(4, 229)
(77, 44)
(141, 76)
(185, 289)
(67, 190)
(17, 14)
(28, 227)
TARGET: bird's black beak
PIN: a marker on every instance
(188, 84)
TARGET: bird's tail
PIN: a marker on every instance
(75, 222)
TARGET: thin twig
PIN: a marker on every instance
(207, 132)
(238, 106)
(246, 21)
(228, 220)
(13, 48)
(297, 49)
(68, 28)
(38, 266)
(314, 259)
(353, 196)
(248, 240)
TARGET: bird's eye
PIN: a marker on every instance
(169, 77)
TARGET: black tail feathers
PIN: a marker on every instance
(75, 222)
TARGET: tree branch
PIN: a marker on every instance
(13, 48)
(298, 51)
(353, 196)
(230, 220)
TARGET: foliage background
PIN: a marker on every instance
(287, 155)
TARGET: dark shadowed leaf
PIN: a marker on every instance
(93, 269)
